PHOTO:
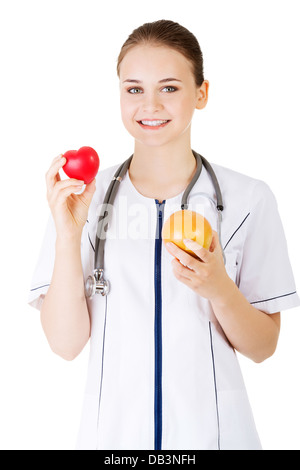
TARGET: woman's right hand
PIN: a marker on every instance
(69, 210)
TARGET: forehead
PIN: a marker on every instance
(154, 61)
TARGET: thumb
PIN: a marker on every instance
(91, 187)
(215, 244)
(89, 192)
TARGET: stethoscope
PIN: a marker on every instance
(96, 284)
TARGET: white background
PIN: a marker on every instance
(59, 91)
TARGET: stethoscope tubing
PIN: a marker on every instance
(103, 220)
(108, 201)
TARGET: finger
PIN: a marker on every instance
(60, 197)
(65, 185)
(215, 244)
(181, 272)
(61, 185)
(52, 175)
(57, 158)
(185, 258)
(199, 251)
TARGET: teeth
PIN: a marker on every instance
(153, 123)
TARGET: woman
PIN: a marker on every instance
(163, 371)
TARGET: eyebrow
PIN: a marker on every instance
(164, 80)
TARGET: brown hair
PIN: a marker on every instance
(170, 34)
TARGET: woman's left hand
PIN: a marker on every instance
(205, 275)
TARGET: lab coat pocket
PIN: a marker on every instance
(231, 265)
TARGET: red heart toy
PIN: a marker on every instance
(82, 164)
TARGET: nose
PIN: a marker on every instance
(152, 103)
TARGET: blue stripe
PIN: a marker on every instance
(40, 287)
(273, 298)
(158, 330)
(236, 231)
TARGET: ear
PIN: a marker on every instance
(202, 95)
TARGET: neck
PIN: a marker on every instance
(162, 172)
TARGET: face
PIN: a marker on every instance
(158, 95)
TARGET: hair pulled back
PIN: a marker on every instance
(170, 34)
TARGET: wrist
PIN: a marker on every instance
(68, 241)
(225, 294)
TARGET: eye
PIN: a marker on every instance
(135, 90)
(169, 89)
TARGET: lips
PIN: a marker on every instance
(153, 123)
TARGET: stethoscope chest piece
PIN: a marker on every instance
(96, 284)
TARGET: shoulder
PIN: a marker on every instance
(241, 188)
(232, 178)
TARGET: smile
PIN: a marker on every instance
(155, 124)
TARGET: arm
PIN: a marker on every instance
(250, 331)
(64, 314)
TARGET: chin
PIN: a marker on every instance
(157, 139)
(154, 143)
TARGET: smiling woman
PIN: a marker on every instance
(161, 102)
(158, 96)
(163, 373)
(157, 102)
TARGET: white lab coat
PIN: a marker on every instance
(161, 371)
